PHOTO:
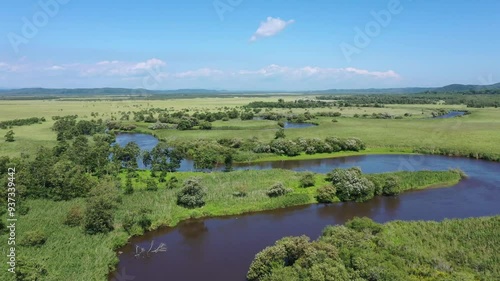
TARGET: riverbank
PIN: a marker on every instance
(69, 254)
(304, 156)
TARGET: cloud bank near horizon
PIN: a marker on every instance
(154, 73)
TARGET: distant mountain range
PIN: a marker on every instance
(185, 92)
(412, 90)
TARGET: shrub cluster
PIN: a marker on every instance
(351, 185)
(288, 147)
(278, 189)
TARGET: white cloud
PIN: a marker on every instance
(120, 68)
(4, 66)
(202, 72)
(152, 74)
(270, 27)
(55, 67)
(317, 72)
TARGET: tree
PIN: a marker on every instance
(307, 180)
(101, 203)
(246, 115)
(206, 125)
(164, 159)
(9, 136)
(185, 124)
(172, 183)
(127, 156)
(129, 189)
(192, 194)
(392, 186)
(151, 185)
(68, 181)
(280, 134)
(351, 184)
(326, 194)
(228, 163)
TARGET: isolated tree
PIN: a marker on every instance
(9, 136)
(307, 180)
(228, 163)
(129, 189)
(351, 184)
(151, 185)
(101, 204)
(192, 194)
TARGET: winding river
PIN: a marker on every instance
(223, 248)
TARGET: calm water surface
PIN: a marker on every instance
(450, 114)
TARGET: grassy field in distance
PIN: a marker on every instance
(478, 132)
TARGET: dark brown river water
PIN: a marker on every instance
(222, 248)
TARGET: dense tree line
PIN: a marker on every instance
(67, 127)
(290, 104)
(21, 122)
(365, 250)
(477, 99)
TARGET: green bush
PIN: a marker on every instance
(172, 183)
(326, 194)
(284, 253)
(29, 270)
(192, 194)
(307, 180)
(34, 238)
(139, 218)
(151, 185)
(392, 186)
(280, 134)
(74, 217)
(364, 225)
(278, 189)
(206, 126)
(351, 184)
(129, 189)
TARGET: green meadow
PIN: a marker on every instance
(476, 133)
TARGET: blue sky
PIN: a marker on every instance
(248, 44)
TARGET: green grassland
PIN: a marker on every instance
(90, 257)
(475, 133)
